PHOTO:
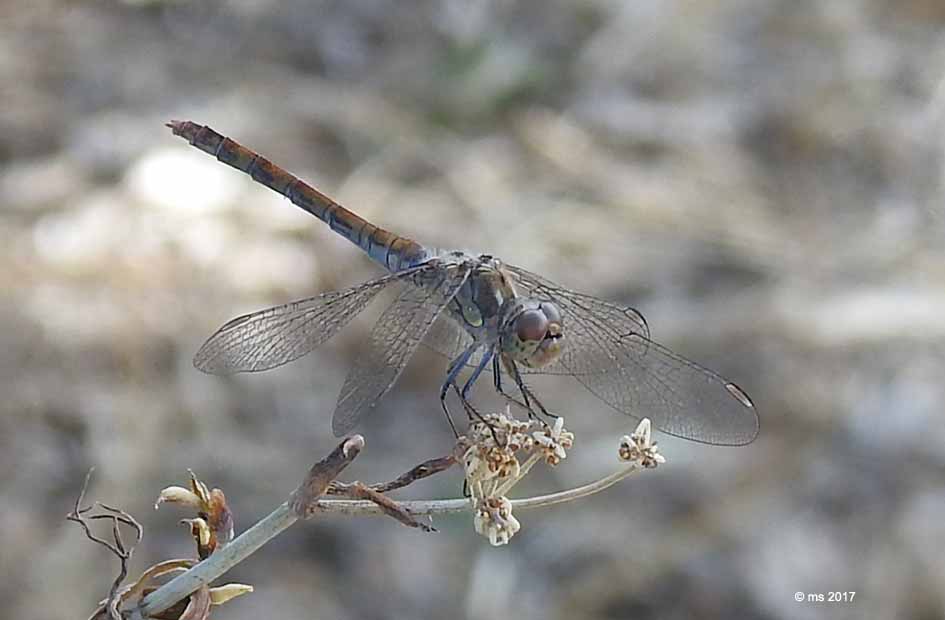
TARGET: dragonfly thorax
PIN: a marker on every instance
(479, 302)
(531, 332)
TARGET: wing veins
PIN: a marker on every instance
(248, 343)
(393, 341)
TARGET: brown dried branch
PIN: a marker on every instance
(118, 548)
(359, 490)
(322, 474)
(423, 470)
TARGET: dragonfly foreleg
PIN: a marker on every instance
(528, 396)
(497, 382)
(471, 412)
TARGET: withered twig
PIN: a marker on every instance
(359, 490)
(247, 543)
(423, 470)
(118, 548)
(322, 474)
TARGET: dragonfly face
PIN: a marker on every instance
(532, 332)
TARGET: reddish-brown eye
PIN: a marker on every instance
(531, 326)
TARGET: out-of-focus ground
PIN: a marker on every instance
(763, 180)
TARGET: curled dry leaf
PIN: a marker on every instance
(219, 517)
(198, 605)
(198, 608)
(144, 584)
(215, 526)
(224, 593)
(200, 531)
(201, 489)
(178, 495)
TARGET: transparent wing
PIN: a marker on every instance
(448, 339)
(394, 339)
(608, 350)
(275, 336)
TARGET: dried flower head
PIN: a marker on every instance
(552, 441)
(493, 449)
(214, 523)
(639, 448)
(493, 519)
(493, 443)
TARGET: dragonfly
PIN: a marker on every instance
(478, 311)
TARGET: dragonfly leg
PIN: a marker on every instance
(473, 413)
(497, 382)
(452, 372)
(527, 395)
(455, 367)
(449, 418)
(463, 394)
(486, 357)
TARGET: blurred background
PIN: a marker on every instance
(763, 180)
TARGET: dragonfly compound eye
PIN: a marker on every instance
(531, 326)
(551, 311)
(538, 335)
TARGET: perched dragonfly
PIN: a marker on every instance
(478, 311)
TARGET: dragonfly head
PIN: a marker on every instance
(532, 332)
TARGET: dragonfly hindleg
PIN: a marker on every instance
(455, 367)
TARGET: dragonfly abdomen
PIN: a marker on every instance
(391, 251)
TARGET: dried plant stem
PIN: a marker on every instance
(580, 492)
(119, 548)
(217, 564)
(434, 507)
(299, 505)
(283, 517)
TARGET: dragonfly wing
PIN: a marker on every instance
(608, 350)
(275, 336)
(394, 339)
(449, 339)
